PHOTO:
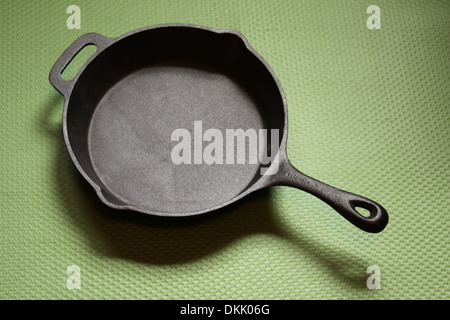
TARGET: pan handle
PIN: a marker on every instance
(65, 86)
(342, 201)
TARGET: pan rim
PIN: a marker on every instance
(262, 182)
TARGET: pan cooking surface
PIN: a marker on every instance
(130, 137)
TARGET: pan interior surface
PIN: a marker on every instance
(130, 138)
(121, 123)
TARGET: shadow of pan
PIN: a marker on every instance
(154, 240)
(144, 238)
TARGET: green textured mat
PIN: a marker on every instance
(368, 112)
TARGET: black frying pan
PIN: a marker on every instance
(123, 105)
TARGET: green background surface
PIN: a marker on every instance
(368, 112)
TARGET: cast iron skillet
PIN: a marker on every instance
(123, 105)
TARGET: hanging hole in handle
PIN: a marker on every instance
(72, 68)
(364, 209)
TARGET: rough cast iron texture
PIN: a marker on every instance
(123, 105)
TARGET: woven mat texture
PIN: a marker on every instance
(368, 112)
